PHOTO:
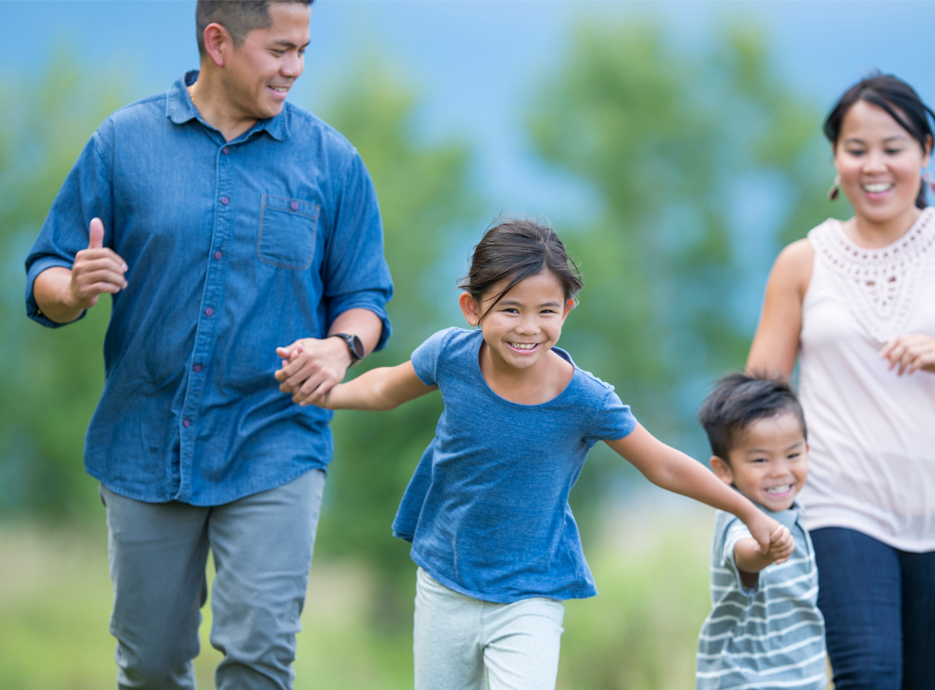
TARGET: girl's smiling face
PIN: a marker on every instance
(525, 323)
(879, 163)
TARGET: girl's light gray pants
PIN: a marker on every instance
(262, 547)
(461, 643)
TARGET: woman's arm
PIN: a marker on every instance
(378, 389)
(776, 343)
(671, 469)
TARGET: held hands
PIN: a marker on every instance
(910, 353)
(775, 541)
(311, 368)
(781, 545)
(752, 555)
(762, 528)
(96, 270)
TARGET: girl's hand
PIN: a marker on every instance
(910, 353)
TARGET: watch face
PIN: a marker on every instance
(357, 347)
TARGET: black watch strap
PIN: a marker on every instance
(354, 346)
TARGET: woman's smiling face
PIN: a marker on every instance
(879, 163)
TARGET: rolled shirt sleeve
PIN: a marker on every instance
(84, 195)
(356, 275)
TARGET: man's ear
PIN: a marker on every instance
(217, 39)
(469, 308)
(722, 470)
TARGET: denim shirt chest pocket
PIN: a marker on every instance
(288, 228)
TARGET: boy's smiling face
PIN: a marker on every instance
(769, 462)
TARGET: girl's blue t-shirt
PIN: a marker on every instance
(487, 508)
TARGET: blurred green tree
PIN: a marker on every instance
(53, 379)
(425, 197)
(702, 164)
(50, 383)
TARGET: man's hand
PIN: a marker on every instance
(63, 294)
(96, 270)
(910, 353)
(312, 367)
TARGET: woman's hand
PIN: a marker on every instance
(910, 353)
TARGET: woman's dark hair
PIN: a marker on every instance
(514, 249)
(737, 401)
(898, 99)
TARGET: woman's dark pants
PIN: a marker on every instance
(879, 609)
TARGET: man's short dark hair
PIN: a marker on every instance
(740, 399)
(239, 17)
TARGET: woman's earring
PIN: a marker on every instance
(835, 188)
(927, 178)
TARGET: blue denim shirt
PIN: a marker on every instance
(233, 248)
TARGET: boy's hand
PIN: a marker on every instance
(781, 545)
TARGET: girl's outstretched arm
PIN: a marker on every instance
(377, 389)
(671, 469)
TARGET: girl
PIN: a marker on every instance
(857, 299)
(487, 509)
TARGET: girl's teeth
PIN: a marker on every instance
(779, 489)
(523, 346)
(878, 187)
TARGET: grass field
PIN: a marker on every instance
(639, 633)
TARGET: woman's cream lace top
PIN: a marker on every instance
(871, 432)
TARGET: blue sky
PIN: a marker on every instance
(476, 64)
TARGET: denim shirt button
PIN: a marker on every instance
(224, 200)
(209, 311)
(186, 423)
(225, 150)
(294, 205)
(196, 368)
(218, 255)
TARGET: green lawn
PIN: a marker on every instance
(638, 634)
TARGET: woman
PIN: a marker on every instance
(857, 300)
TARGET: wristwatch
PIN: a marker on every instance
(354, 345)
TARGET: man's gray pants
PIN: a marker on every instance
(262, 547)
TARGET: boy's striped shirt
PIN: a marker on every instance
(768, 636)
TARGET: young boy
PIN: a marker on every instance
(764, 629)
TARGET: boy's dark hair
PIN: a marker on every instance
(514, 249)
(740, 399)
(239, 17)
(898, 99)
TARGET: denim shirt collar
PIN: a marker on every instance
(180, 109)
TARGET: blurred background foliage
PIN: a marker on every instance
(701, 167)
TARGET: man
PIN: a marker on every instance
(237, 234)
